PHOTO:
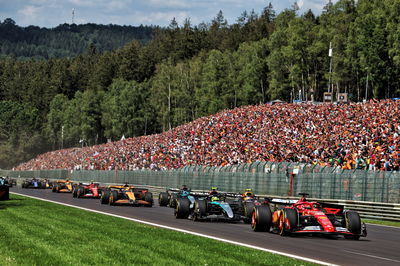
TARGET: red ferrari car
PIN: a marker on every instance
(305, 217)
(92, 190)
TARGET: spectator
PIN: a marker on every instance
(356, 135)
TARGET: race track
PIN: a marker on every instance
(380, 247)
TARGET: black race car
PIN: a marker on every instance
(210, 206)
(170, 196)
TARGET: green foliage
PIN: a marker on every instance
(123, 112)
(18, 137)
(186, 71)
(66, 40)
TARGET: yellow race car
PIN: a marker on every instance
(65, 186)
(126, 195)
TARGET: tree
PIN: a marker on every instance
(124, 110)
(56, 120)
(215, 89)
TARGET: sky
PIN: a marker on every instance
(51, 13)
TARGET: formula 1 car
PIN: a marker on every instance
(4, 189)
(126, 194)
(248, 200)
(48, 183)
(82, 190)
(171, 196)
(4, 181)
(213, 207)
(33, 183)
(64, 186)
(305, 217)
(168, 198)
(11, 181)
(183, 200)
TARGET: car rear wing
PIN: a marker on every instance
(283, 201)
(199, 194)
(231, 195)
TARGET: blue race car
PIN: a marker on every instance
(34, 183)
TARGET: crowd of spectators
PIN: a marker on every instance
(351, 136)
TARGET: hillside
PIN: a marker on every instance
(66, 40)
(187, 71)
(362, 136)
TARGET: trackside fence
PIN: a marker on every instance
(265, 178)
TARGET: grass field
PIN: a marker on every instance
(34, 232)
(389, 223)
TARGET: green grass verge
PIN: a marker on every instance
(35, 232)
(389, 223)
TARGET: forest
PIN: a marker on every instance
(189, 71)
(66, 40)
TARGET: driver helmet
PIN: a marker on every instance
(316, 206)
(184, 187)
(213, 191)
(215, 199)
(248, 193)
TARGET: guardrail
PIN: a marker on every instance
(372, 210)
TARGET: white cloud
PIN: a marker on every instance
(113, 5)
(29, 11)
(170, 3)
(84, 3)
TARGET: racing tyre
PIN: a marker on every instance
(148, 196)
(74, 192)
(44, 185)
(113, 197)
(261, 219)
(80, 191)
(200, 209)
(105, 196)
(24, 185)
(58, 188)
(182, 209)
(248, 211)
(163, 199)
(353, 224)
(288, 222)
(172, 200)
(53, 189)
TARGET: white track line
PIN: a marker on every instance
(382, 225)
(186, 231)
(372, 256)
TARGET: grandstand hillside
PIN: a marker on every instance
(356, 135)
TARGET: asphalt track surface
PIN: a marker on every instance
(380, 247)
